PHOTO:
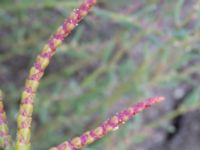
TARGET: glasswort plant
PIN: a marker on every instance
(31, 85)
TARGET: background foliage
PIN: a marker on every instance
(124, 51)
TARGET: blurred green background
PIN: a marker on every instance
(123, 52)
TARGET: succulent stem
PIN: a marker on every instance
(107, 126)
(27, 99)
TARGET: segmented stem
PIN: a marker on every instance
(26, 108)
(107, 126)
(5, 138)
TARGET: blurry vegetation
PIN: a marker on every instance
(122, 52)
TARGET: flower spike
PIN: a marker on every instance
(5, 138)
(27, 99)
(107, 126)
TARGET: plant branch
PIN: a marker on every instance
(27, 99)
(107, 126)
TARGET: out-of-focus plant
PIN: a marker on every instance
(5, 139)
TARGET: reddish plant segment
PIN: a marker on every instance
(5, 139)
(107, 126)
(26, 108)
